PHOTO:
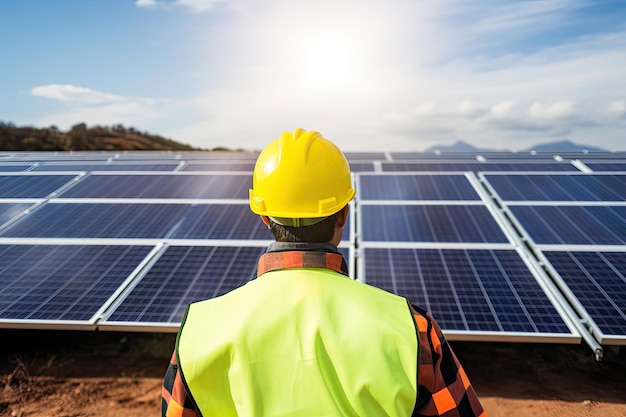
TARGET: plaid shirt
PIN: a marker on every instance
(443, 386)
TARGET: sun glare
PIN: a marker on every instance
(328, 59)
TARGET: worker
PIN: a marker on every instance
(302, 338)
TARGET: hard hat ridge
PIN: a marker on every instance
(297, 145)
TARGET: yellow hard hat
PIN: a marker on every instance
(299, 178)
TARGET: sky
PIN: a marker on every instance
(392, 75)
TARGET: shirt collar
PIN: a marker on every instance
(286, 255)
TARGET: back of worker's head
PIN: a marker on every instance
(301, 181)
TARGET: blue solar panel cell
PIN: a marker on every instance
(598, 280)
(185, 274)
(582, 225)
(361, 167)
(10, 210)
(13, 168)
(232, 166)
(364, 156)
(162, 186)
(217, 155)
(559, 187)
(474, 290)
(31, 186)
(175, 221)
(106, 167)
(98, 221)
(475, 166)
(607, 166)
(49, 282)
(425, 223)
(432, 156)
(416, 187)
(225, 221)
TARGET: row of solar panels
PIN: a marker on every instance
(360, 161)
(575, 187)
(356, 166)
(493, 256)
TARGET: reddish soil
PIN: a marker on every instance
(66, 374)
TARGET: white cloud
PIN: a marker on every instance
(144, 116)
(74, 94)
(503, 110)
(618, 109)
(146, 3)
(200, 6)
(555, 111)
(472, 110)
(195, 6)
(84, 105)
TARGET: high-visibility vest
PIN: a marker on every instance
(300, 343)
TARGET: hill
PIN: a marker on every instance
(459, 146)
(565, 146)
(559, 146)
(83, 138)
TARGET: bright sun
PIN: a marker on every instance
(327, 59)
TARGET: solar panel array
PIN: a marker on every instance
(575, 225)
(498, 246)
(435, 239)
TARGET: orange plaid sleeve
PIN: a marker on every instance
(443, 387)
(174, 399)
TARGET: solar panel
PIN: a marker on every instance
(594, 155)
(225, 221)
(364, 156)
(182, 275)
(587, 225)
(221, 166)
(10, 210)
(71, 283)
(484, 292)
(517, 157)
(185, 274)
(429, 223)
(105, 167)
(138, 156)
(598, 280)
(416, 187)
(13, 168)
(361, 166)
(219, 155)
(476, 167)
(442, 156)
(544, 187)
(607, 166)
(172, 221)
(31, 186)
(41, 156)
(207, 186)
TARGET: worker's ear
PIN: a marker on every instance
(266, 220)
(342, 216)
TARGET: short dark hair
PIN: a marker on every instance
(321, 232)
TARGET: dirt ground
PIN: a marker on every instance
(75, 373)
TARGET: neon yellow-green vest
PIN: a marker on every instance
(300, 342)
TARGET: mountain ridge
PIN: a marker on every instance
(565, 145)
